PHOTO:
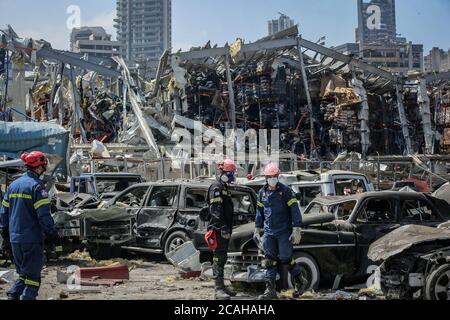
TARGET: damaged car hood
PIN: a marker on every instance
(99, 215)
(404, 238)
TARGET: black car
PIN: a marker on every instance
(337, 232)
(156, 217)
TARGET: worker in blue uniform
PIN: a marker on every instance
(278, 218)
(25, 222)
(220, 226)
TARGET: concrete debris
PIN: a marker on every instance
(95, 276)
(85, 258)
(322, 106)
(99, 150)
(343, 295)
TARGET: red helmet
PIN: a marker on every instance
(229, 166)
(226, 166)
(34, 159)
(271, 170)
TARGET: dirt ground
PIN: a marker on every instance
(151, 278)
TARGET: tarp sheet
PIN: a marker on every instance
(17, 137)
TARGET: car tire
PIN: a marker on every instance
(310, 270)
(104, 251)
(175, 240)
(437, 285)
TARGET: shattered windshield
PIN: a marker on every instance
(133, 198)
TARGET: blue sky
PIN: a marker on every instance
(197, 21)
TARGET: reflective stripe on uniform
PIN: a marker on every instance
(21, 195)
(216, 200)
(260, 204)
(32, 283)
(21, 279)
(5, 204)
(40, 203)
(292, 202)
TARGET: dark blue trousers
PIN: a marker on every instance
(279, 248)
(29, 260)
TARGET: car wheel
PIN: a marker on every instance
(173, 241)
(437, 286)
(310, 271)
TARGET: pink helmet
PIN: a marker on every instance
(229, 166)
(271, 170)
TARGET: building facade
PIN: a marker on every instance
(280, 24)
(377, 42)
(94, 41)
(144, 28)
(394, 57)
(376, 22)
(437, 60)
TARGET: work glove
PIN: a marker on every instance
(296, 236)
(225, 234)
(257, 235)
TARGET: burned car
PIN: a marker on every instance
(155, 217)
(337, 233)
(416, 263)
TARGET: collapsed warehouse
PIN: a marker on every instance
(323, 102)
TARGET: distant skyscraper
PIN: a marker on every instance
(376, 22)
(144, 27)
(377, 41)
(282, 23)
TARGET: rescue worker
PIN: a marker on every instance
(25, 219)
(278, 218)
(221, 224)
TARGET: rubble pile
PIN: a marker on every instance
(324, 103)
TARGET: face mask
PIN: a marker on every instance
(228, 177)
(224, 178)
(272, 182)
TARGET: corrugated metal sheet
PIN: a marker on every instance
(17, 137)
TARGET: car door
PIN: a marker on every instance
(157, 215)
(192, 200)
(376, 217)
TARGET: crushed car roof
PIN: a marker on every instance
(330, 200)
(404, 238)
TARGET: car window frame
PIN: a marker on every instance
(337, 178)
(185, 193)
(426, 201)
(363, 205)
(128, 190)
(175, 205)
